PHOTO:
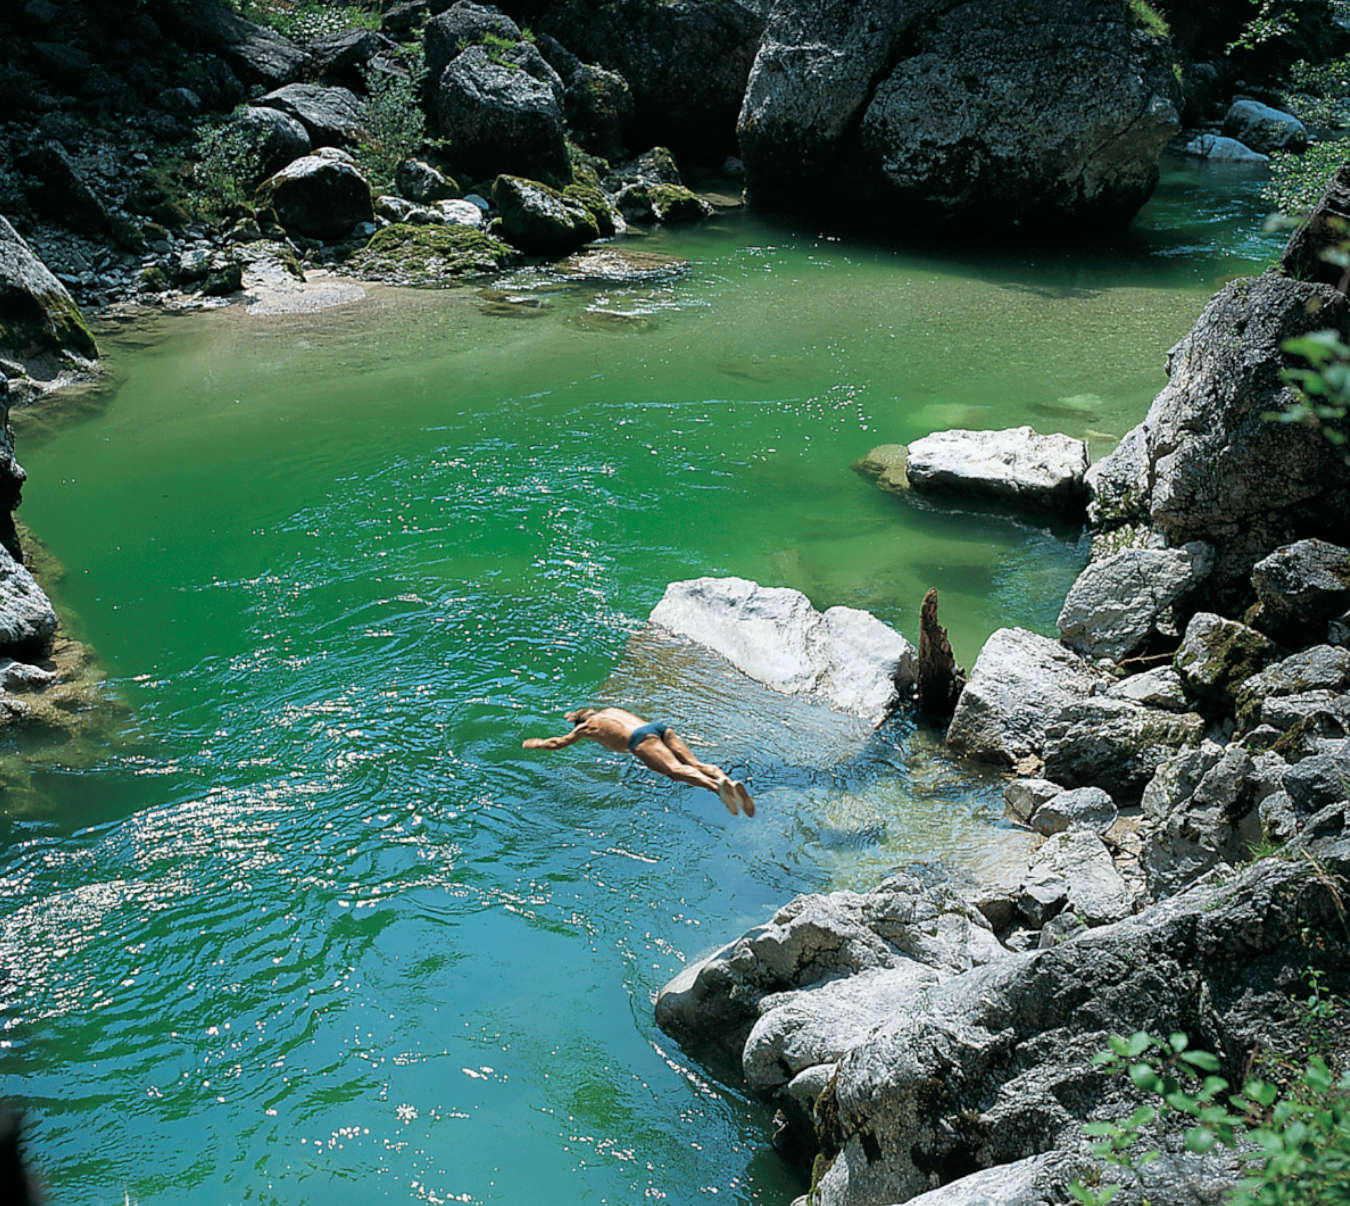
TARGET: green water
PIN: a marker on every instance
(314, 926)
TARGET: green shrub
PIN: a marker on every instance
(227, 165)
(1293, 1138)
(1297, 181)
(1148, 18)
(395, 125)
(303, 20)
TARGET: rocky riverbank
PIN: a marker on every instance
(1185, 747)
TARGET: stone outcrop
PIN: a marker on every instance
(980, 1076)
(1217, 654)
(331, 116)
(38, 317)
(1264, 128)
(843, 657)
(503, 114)
(1021, 685)
(1085, 807)
(321, 196)
(1116, 604)
(1017, 466)
(1199, 467)
(258, 55)
(540, 220)
(990, 114)
(686, 64)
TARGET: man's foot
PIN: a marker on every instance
(743, 797)
(726, 792)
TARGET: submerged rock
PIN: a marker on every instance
(1218, 149)
(886, 465)
(1017, 465)
(844, 657)
(621, 266)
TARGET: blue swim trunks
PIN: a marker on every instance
(643, 731)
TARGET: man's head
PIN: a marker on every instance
(579, 715)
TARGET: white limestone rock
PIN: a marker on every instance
(1016, 465)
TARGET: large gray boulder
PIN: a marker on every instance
(503, 114)
(1114, 743)
(258, 55)
(993, 1065)
(1115, 605)
(343, 58)
(332, 116)
(1017, 465)
(1021, 685)
(844, 657)
(971, 113)
(984, 1067)
(277, 138)
(320, 196)
(1205, 463)
(1302, 586)
(37, 315)
(27, 620)
(1263, 128)
(1216, 655)
(461, 25)
(539, 219)
(1200, 809)
(897, 938)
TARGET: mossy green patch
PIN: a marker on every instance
(1148, 18)
(412, 255)
(596, 204)
(673, 203)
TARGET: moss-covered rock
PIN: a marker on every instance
(592, 197)
(1217, 654)
(541, 220)
(885, 465)
(430, 255)
(37, 315)
(673, 203)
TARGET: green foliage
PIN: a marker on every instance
(1297, 181)
(1272, 19)
(392, 116)
(227, 166)
(1299, 1131)
(1323, 386)
(303, 20)
(1316, 91)
(1148, 18)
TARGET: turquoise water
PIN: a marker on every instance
(313, 925)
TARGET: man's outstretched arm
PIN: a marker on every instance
(554, 743)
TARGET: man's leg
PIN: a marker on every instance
(660, 758)
(686, 755)
(729, 790)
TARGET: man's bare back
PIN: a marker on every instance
(654, 744)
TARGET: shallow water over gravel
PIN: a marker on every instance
(314, 926)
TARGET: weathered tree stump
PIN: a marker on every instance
(940, 678)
